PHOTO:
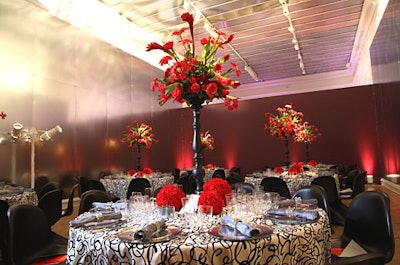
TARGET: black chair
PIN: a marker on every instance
(40, 181)
(70, 204)
(272, 184)
(368, 223)
(314, 192)
(349, 178)
(177, 173)
(46, 188)
(357, 187)
(91, 196)
(95, 184)
(232, 180)
(31, 238)
(338, 209)
(4, 232)
(51, 204)
(187, 182)
(218, 173)
(364, 259)
(83, 185)
(247, 188)
(137, 185)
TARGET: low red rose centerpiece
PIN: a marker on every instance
(170, 195)
(213, 194)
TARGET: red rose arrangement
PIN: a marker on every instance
(195, 76)
(170, 195)
(214, 199)
(312, 163)
(208, 166)
(145, 171)
(207, 140)
(297, 168)
(138, 135)
(214, 192)
(278, 170)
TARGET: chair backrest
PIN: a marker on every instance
(314, 192)
(40, 181)
(83, 185)
(272, 184)
(368, 222)
(359, 183)
(70, 204)
(138, 185)
(51, 204)
(177, 173)
(232, 179)
(329, 185)
(91, 196)
(187, 181)
(4, 233)
(350, 177)
(218, 173)
(95, 184)
(30, 234)
(46, 188)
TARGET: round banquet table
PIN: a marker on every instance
(288, 244)
(19, 195)
(118, 184)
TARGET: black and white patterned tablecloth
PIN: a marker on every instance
(288, 244)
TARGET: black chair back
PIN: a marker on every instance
(40, 181)
(46, 188)
(83, 185)
(70, 204)
(4, 233)
(91, 196)
(187, 181)
(51, 204)
(368, 222)
(137, 185)
(232, 180)
(95, 184)
(272, 184)
(314, 192)
(359, 184)
(351, 175)
(31, 238)
(218, 173)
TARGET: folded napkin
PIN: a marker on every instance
(95, 218)
(149, 231)
(292, 202)
(298, 213)
(109, 205)
(244, 228)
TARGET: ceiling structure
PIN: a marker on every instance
(291, 46)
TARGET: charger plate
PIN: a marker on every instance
(170, 232)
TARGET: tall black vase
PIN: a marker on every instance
(198, 171)
(138, 166)
(287, 160)
(307, 153)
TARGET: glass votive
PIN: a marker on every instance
(166, 212)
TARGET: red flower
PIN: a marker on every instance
(278, 170)
(139, 135)
(3, 115)
(297, 168)
(131, 172)
(220, 186)
(170, 195)
(209, 166)
(195, 76)
(212, 198)
(312, 163)
(147, 170)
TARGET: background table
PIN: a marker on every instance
(289, 244)
(23, 196)
(118, 184)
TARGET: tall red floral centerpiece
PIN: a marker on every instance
(195, 79)
(306, 133)
(138, 135)
(283, 125)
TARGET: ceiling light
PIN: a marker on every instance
(251, 72)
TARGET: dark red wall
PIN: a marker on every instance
(359, 126)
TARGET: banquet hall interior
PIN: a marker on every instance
(75, 76)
